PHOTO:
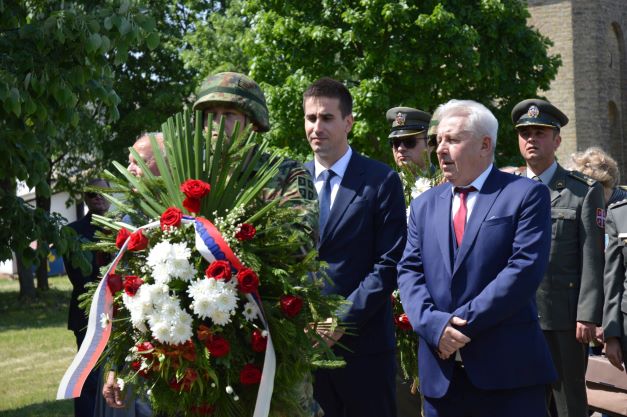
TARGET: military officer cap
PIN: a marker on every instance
(407, 121)
(536, 112)
(432, 133)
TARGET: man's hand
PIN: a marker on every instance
(452, 339)
(329, 331)
(585, 332)
(598, 335)
(112, 392)
(614, 352)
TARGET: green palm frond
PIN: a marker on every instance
(237, 168)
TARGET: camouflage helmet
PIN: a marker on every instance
(235, 90)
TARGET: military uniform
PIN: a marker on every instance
(293, 184)
(615, 276)
(572, 288)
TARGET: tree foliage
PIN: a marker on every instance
(57, 65)
(390, 53)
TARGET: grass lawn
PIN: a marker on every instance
(36, 349)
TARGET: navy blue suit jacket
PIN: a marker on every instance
(77, 318)
(491, 282)
(362, 243)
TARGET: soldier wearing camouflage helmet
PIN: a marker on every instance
(235, 97)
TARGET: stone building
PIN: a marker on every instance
(591, 85)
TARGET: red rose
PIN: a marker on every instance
(123, 234)
(250, 374)
(258, 341)
(402, 322)
(218, 346)
(192, 205)
(114, 282)
(171, 218)
(145, 349)
(219, 270)
(246, 232)
(247, 280)
(132, 284)
(195, 189)
(138, 241)
(291, 305)
(137, 367)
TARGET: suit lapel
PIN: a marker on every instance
(351, 183)
(443, 228)
(485, 200)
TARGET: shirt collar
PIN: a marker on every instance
(479, 181)
(339, 167)
(546, 176)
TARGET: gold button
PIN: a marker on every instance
(571, 285)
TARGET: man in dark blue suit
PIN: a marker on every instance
(477, 249)
(362, 235)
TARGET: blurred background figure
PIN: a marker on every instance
(408, 137)
(598, 164)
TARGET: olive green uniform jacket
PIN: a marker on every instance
(615, 278)
(572, 288)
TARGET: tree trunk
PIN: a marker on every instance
(25, 276)
(44, 203)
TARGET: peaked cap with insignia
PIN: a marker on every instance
(536, 112)
(407, 121)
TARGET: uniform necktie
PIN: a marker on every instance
(459, 220)
(325, 197)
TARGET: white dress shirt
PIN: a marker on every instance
(339, 167)
(471, 199)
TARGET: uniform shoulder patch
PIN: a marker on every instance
(582, 177)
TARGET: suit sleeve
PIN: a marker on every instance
(613, 279)
(389, 234)
(418, 304)
(590, 304)
(517, 283)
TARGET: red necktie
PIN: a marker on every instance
(459, 220)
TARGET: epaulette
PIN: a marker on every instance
(582, 177)
(617, 204)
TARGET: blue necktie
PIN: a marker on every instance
(325, 198)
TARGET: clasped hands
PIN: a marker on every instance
(452, 339)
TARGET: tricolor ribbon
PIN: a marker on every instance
(212, 246)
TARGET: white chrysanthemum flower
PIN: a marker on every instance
(213, 298)
(220, 318)
(104, 320)
(121, 383)
(181, 330)
(421, 185)
(250, 311)
(161, 331)
(170, 260)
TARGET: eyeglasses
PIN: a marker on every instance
(409, 143)
(91, 194)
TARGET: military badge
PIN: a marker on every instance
(600, 218)
(400, 119)
(533, 111)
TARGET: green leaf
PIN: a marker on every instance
(105, 45)
(124, 27)
(153, 40)
(93, 42)
(108, 23)
(124, 6)
(12, 102)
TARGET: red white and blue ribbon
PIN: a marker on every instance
(212, 246)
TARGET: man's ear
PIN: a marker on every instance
(486, 145)
(349, 123)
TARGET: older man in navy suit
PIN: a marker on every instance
(362, 235)
(477, 249)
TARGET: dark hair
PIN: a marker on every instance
(328, 87)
